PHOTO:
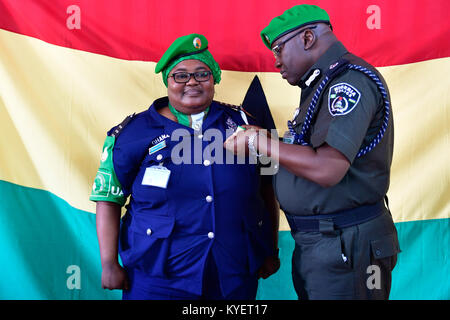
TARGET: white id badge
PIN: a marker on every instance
(157, 176)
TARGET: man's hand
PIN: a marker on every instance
(238, 141)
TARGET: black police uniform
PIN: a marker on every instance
(346, 242)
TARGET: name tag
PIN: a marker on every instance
(157, 176)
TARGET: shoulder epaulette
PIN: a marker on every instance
(118, 129)
(337, 67)
(236, 108)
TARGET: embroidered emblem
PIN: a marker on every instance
(231, 124)
(197, 43)
(159, 139)
(102, 183)
(342, 99)
(334, 65)
(157, 147)
(104, 154)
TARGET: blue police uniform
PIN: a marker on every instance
(210, 217)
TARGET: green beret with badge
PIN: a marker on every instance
(192, 46)
(293, 19)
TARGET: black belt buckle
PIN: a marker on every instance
(326, 226)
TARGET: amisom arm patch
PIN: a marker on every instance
(106, 186)
(342, 99)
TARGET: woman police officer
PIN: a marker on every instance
(193, 229)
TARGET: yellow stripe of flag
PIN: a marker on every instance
(56, 105)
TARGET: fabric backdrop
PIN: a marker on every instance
(72, 69)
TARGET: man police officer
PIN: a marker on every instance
(334, 162)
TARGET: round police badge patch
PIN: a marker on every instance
(342, 99)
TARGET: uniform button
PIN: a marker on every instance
(377, 252)
(209, 199)
(206, 163)
(200, 136)
(210, 235)
(159, 157)
(196, 126)
(260, 223)
(149, 231)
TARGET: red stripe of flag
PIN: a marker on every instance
(410, 31)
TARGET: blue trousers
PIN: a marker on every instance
(211, 288)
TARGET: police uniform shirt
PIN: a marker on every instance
(206, 207)
(346, 127)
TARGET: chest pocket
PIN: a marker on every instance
(150, 243)
(152, 197)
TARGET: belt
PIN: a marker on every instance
(330, 222)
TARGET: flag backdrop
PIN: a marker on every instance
(72, 69)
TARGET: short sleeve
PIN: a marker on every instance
(106, 185)
(351, 103)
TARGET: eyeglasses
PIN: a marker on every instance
(184, 77)
(279, 47)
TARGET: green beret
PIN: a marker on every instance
(192, 46)
(292, 19)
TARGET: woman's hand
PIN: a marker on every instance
(114, 277)
(269, 267)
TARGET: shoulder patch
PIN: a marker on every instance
(342, 99)
(106, 186)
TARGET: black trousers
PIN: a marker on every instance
(351, 263)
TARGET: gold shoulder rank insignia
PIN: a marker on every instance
(236, 108)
